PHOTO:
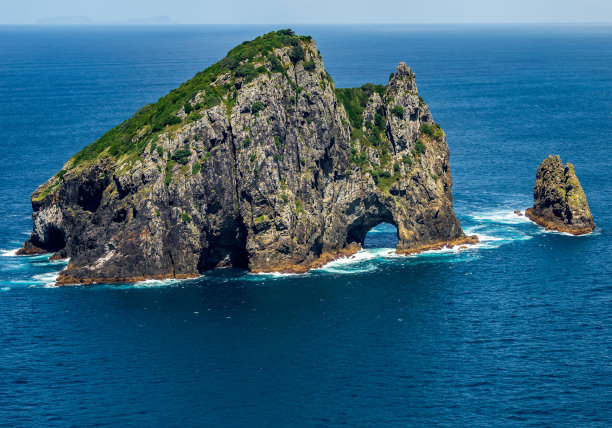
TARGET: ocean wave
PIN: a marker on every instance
(152, 283)
(9, 253)
(499, 216)
(47, 279)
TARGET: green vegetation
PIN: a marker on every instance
(257, 107)
(384, 179)
(309, 66)
(196, 168)
(169, 165)
(434, 131)
(186, 217)
(359, 159)
(398, 111)
(296, 54)
(182, 156)
(298, 207)
(193, 117)
(157, 213)
(245, 61)
(355, 100)
(261, 219)
(419, 147)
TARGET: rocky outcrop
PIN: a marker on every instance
(559, 201)
(258, 162)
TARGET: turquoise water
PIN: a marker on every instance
(514, 331)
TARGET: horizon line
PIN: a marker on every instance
(177, 24)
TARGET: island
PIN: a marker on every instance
(559, 200)
(258, 162)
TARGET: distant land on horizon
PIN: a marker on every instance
(84, 20)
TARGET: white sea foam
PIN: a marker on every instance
(275, 274)
(46, 279)
(556, 232)
(5, 288)
(150, 283)
(499, 216)
(9, 253)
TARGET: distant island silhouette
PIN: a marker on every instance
(84, 20)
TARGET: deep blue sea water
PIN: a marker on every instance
(516, 331)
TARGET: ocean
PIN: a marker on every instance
(515, 331)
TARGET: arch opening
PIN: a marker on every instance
(383, 235)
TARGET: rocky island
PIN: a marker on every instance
(257, 162)
(559, 201)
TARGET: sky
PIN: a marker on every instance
(315, 11)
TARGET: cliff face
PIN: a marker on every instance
(559, 201)
(257, 162)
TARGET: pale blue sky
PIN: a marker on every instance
(315, 11)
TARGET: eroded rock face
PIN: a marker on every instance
(559, 201)
(278, 175)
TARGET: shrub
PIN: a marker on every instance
(160, 151)
(407, 160)
(229, 63)
(182, 156)
(247, 71)
(188, 108)
(194, 117)
(396, 167)
(286, 32)
(433, 131)
(296, 54)
(211, 98)
(253, 157)
(246, 143)
(370, 88)
(196, 168)
(285, 197)
(257, 107)
(186, 217)
(275, 65)
(419, 147)
(398, 111)
(163, 121)
(309, 66)
(277, 157)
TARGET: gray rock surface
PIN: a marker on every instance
(559, 201)
(284, 185)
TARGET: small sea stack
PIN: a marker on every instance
(559, 203)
